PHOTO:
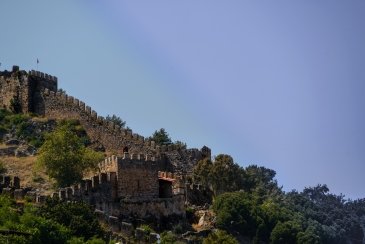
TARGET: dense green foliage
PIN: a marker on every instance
(249, 203)
(49, 224)
(161, 137)
(116, 120)
(78, 217)
(223, 175)
(65, 156)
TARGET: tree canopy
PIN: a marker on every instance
(65, 156)
(161, 137)
(53, 222)
(116, 120)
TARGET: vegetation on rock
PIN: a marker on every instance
(21, 126)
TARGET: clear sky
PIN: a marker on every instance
(275, 83)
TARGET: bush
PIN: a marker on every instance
(235, 212)
(77, 216)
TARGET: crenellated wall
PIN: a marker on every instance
(38, 93)
(111, 136)
(25, 87)
(129, 186)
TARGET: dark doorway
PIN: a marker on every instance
(165, 188)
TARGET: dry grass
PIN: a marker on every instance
(24, 168)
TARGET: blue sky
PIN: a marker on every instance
(274, 83)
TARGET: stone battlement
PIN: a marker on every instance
(37, 93)
(42, 75)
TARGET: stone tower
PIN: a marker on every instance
(24, 89)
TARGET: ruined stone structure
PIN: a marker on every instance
(133, 183)
(25, 88)
(37, 93)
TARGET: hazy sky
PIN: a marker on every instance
(275, 83)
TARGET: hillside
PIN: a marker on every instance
(137, 189)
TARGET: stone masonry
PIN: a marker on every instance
(37, 93)
(144, 180)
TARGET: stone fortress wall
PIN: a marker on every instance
(25, 87)
(130, 186)
(37, 93)
(144, 180)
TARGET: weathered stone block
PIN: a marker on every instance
(68, 192)
(94, 114)
(6, 181)
(114, 223)
(88, 109)
(88, 185)
(41, 199)
(19, 194)
(95, 181)
(127, 228)
(140, 234)
(103, 178)
(62, 194)
(16, 182)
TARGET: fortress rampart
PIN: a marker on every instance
(37, 93)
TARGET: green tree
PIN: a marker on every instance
(79, 217)
(161, 137)
(202, 171)
(221, 175)
(285, 232)
(218, 237)
(116, 120)
(65, 157)
(235, 212)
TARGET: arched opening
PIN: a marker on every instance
(125, 150)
